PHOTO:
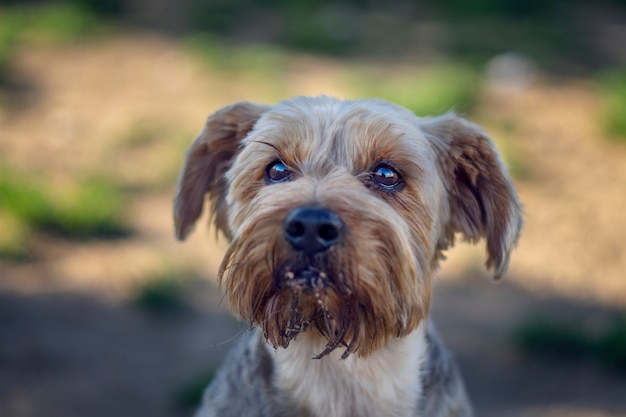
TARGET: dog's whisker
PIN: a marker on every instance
(237, 335)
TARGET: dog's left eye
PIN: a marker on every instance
(386, 177)
(277, 172)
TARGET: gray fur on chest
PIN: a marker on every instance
(245, 385)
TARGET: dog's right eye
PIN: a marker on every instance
(277, 171)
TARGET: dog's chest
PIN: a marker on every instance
(385, 383)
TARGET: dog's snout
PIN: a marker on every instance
(312, 229)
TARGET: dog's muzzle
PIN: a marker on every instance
(312, 229)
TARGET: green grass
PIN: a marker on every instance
(613, 113)
(10, 29)
(258, 60)
(91, 209)
(263, 66)
(58, 22)
(164, 294)
(15, 239)
(432, 91)
(567, 340)
(49, 22)
(54, 22)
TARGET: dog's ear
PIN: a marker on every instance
(482, 199)
(206, 162)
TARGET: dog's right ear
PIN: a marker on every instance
(206, 162)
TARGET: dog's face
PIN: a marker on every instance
(337, 212)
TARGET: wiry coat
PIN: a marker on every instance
(247, 385)
(368, 292)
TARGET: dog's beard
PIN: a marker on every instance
(311, 293)
(354, 302)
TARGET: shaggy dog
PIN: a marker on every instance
(337, 213)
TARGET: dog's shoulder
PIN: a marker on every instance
(245, 382)
(443, 391)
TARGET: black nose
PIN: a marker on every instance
(312, 229)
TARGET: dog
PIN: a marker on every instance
(337, 215)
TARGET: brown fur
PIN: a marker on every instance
(205, 163)
(483, 201)
(375, 283)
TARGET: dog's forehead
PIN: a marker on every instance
(315, 132)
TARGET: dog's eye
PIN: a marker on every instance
(386, 177)
(277, 172)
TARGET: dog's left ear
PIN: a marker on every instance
(482, 199)
(206, 162)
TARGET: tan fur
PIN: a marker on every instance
(377, 279)
(205, 163)
(483, 201)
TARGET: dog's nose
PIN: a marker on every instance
(312, 229)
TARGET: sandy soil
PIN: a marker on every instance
(71, 343)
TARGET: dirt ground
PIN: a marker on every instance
(72, 343)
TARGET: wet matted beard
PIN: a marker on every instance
(352, 302)
(311, 292)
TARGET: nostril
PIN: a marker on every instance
(328, 232)
(295, 229)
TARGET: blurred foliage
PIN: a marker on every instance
(146, 155)
(516, 162)
(10, 29)
(141, 133)
(513, 8)
(91, 209)
(319, 26)
(562, 340)
(553, 340)
(47, 22)
(58, 21)
(259, 61)
(513, 154)
(548, 32)
(102, 8)
(614, 111)
(426, 92)
(15, 238)
(610, 348)
(547, 42)
(188, 395)
(164, 294)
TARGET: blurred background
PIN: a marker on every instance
(103, 313)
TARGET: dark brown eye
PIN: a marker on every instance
(277, 172)
(386, 177)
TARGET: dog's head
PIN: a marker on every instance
(337, 212)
